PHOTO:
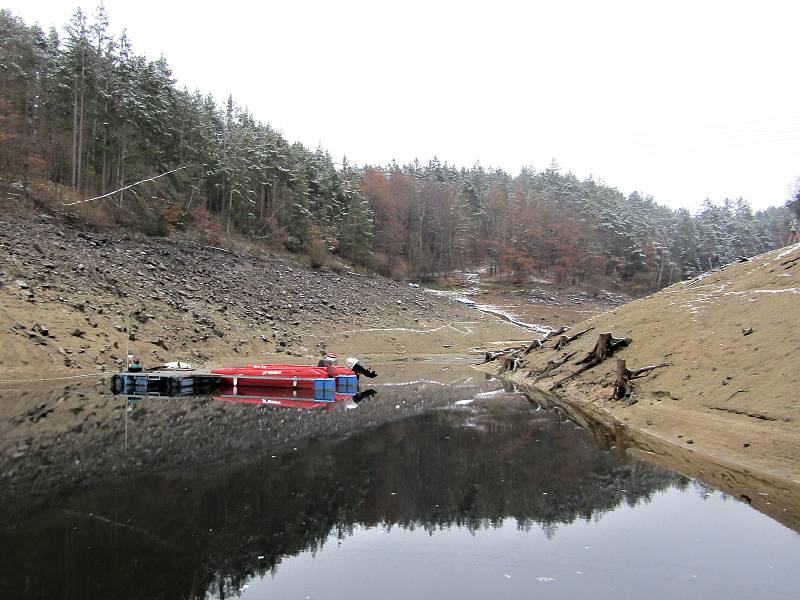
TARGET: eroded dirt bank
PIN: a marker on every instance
(726, 405)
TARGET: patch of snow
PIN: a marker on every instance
(463, 402)
(512, 318)
(698, 279)
(421, 381)
(779, 291)
(787, 251)
(484, 395)
(407, 329)
(452, 294)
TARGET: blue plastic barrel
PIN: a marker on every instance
(347, 384)
(326, 395)
(324, 384)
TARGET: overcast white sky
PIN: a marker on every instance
(680, 100)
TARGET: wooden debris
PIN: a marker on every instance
(537, 344)
(551, 366)
(491, 356)
(788, 264)
(43, 329)
(566, 339)
(511, 363)
(624, 376)
(606, 345)
(734, 393)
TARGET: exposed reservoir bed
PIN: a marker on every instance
(441, 485)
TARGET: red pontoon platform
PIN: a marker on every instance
(318, 379)
(282, 397)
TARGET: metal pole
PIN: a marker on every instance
(127, 341)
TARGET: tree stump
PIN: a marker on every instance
(489, 356)
(623, 386)
(606, 345)
(537, 344)
(566, 339)
(622, 381)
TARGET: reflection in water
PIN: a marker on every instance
(213, 529)
(293, 398)
(172, 518)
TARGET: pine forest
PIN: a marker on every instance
(83, 115)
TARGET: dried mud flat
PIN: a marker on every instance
(726, 405)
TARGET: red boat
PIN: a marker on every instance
(287, 376)
(332, 371)
(286, 398)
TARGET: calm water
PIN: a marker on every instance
(439, 486)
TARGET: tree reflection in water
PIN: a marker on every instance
(209, 530)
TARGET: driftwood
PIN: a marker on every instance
(623, 387)
(537, 344)
(566, 339)
(550, 367)
(606, 345)
(788, 264)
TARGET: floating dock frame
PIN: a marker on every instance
(175, 382)
(172, 382)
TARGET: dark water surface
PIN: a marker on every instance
(439, 486)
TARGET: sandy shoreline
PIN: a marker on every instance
(724, 407)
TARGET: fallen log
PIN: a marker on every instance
(623, 386)
(566, 339)
(550, 367)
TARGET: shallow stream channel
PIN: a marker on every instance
(440, 485)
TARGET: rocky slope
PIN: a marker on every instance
(728, 397)
(68, 295)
